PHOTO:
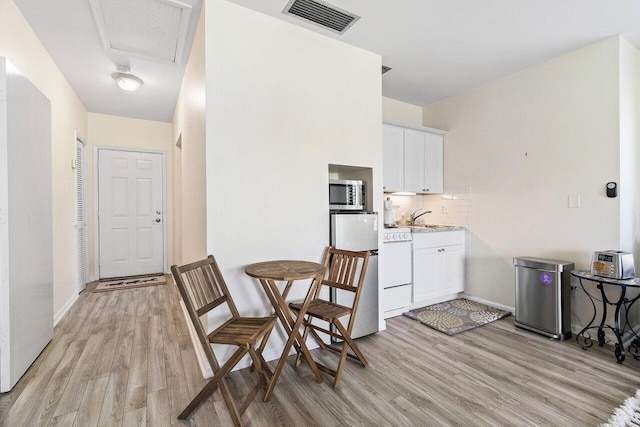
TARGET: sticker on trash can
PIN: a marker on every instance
(546, 278)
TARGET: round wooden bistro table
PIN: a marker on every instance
(270, 272)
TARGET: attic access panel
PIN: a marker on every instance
(155, 29)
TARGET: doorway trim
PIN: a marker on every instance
(96, 224)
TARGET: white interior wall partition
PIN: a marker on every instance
(270, 179)
(26, 232)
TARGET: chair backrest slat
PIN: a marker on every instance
(193, 287)
(211, 306)
(338, 285)
(212, 293)
(345, 269)
(203, 284)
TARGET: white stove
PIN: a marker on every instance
(396, 279)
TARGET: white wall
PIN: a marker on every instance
(629, 185)
(19, 44)
(524, 143)
(124, 132)
(282, 104)
(392, 109)
(189, 179)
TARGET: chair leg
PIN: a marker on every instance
(263, 370)
(231, 405)
(347, 338)
(257, 363)
(260, 349)
(251, 396)
(348, 342)
(341, 360)
(213, 382)
(304, 339)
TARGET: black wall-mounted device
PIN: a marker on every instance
(612, 189)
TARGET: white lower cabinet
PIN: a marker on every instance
(438, 264)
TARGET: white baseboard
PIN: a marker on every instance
(511, 310)
(60, 314)
(207, 372)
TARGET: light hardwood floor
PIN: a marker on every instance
(125, 358)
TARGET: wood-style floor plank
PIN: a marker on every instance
(125, 358)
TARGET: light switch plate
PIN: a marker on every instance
(574, 200)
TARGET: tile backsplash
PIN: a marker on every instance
(451, 208)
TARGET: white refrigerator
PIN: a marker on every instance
(359, 232)
(26, 231)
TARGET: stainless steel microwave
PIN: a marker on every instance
(346, 195)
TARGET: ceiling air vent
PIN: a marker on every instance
(321, 13)
(385, 69)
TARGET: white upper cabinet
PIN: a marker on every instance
(412, 159)
(392, 149)
(433, 163)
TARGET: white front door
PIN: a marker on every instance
(130, 213)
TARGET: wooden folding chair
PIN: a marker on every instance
(345, 271)
(203, 288)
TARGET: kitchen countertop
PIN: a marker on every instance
(436, 229)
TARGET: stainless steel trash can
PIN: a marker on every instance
(543, 296)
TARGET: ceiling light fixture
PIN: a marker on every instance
(127, 81)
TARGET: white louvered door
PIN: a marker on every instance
(81, 212)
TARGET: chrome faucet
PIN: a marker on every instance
(412, 221)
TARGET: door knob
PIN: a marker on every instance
(157, 219)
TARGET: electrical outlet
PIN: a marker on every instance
(445, 209)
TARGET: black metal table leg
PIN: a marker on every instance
(583, 338)
(587, 342)
(619, 347)
(601, 337)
